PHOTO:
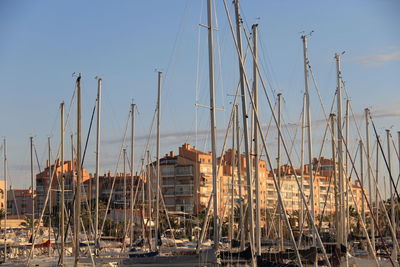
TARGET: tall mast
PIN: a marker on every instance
(98, 102)
(158, 159)
(232, 217)
(398, 138)
(369, 174)
(392, 199)
(143, 200)
(124, 151)
(362, 180)
(335, 187)
(78, 171)
(245, 129)
(62, 182)
(213, 122)
(256, 156)
(346, 172)
(343, 219)
(301, 204)
(33, 195)
(308, 119)
(132, 225)
(50, 186)
(239, 167)
(72, 167)
(149, 221)
(278, 161)
(5, 197)
(376, 181)
(143, 209)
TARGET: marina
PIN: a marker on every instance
(256, 188)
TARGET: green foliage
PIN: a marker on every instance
(28, 222)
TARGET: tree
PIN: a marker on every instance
(2, 215)
(28, 222)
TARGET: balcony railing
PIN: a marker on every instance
(184, 171)
(184, 193)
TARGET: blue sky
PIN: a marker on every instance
(43, 42)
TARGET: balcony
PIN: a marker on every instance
(184, 171)
(186, 193)
(185, 182)
(169, 192)
(168, 182)
(168, 172)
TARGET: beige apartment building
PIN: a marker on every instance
(3, 192)
(187, 183)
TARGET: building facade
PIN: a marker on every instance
(43, 184)
(19, 202)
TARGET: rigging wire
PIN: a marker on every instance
(115, 172)
(384, 158)
(88, 134)
(51, 180)
(365, 196)
(37, 159)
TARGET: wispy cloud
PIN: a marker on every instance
(388, 55)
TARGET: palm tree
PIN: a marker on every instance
(28, 222)
(2, 215)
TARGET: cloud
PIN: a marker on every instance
(389, 55)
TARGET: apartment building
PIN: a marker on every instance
(19, 202)
(106, 182)
(43, 184)
(2, 194)
(186, 179)
(187, 183)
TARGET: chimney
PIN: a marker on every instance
(306, 169)
(171, 153)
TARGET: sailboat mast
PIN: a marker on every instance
(256, 156)
(245, 130)
(393, 217)
(33, 195)
(369, 174)
(149, 195)
(158, 159)
(125, 202)
(98, 113)
(309, 135)
(376, 181)
(392, 197)
(132, 225)
(362, 179)
(346, 170)
(335, 182)
(301, 204)
(232, 217)
(79, 174)
(342, 233)
(143, 201)
(50, 185)
(62, 183)
(278, 161)
(239, 166)
(5, 198)
(213, 120)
